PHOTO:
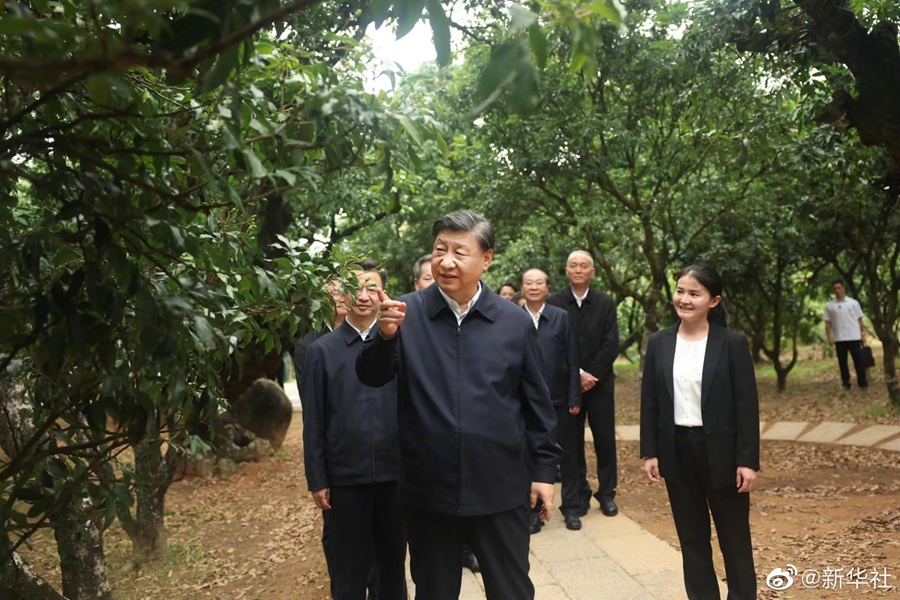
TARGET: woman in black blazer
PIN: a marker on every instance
(700, 432)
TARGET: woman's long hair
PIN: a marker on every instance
(709, 278)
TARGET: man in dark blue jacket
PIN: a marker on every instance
(476, 421)
(352, 454)
(557, 342)
(422, 279)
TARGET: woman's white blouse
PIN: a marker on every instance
(687, 377)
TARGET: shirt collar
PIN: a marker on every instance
(454, 305)
(436, 300)
(582, 298)
(351, 333)
(536, 317)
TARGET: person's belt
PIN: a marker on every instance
(688, 429)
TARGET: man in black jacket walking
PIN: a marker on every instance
(557, 342)
(352, 455)
(592, 315)
(476, 421)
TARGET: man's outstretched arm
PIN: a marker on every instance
(379, 359)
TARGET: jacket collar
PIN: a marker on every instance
(487, 303)
(714, 344)
(349, 333)
(569, 295)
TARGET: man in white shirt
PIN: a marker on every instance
(846, 333)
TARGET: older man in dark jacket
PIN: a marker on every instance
(352, 456)
(557, 342)
(592, 315)
(475, 416)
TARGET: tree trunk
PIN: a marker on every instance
(17, 580)
(79, 538)
(153, 473)
(756, 351)
(782, 374)
(149, 541)
(889, 364)
(82, 560)
(651, 326)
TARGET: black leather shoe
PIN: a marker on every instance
(536, 524)
(470, 562)
(608, 507)
(573, 522)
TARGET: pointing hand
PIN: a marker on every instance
(390, 315)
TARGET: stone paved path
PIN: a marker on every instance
(610, 557)
(617, 558)
(885, 437)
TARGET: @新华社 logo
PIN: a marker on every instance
(781, 579)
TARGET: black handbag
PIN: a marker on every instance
(868, 359)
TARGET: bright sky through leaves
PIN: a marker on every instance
(410, 52)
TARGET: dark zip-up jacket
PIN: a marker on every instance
(349, 429)
(557, 342)
(596, 330)
(476, 421)
(301, 348)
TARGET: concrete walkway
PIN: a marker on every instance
(884, 437)
(610, 557)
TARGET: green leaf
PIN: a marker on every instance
(200, 161)
(520, 18)
(256, 167)
(414, 158)
(408, 13)
(411, 128)
(440, 32)
(204, 331)
(538, 42)
(505, 60)
(612, 11)
(264, 48)
(99, 87)
(524, 94)
(289, 177)
(228, 60)
(442, 144)
(578, 62)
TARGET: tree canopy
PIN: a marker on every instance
(180, 179)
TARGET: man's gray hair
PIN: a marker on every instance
(466, 220)
(417, 268)
(577, 252)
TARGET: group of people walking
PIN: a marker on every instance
(440, 421)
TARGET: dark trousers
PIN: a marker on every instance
(599, 410)
(364, 531)
(371, 581)
(853, 347)
(692, 498)
(500, 541)
(568, 467)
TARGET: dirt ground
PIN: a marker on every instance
(254, 533)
